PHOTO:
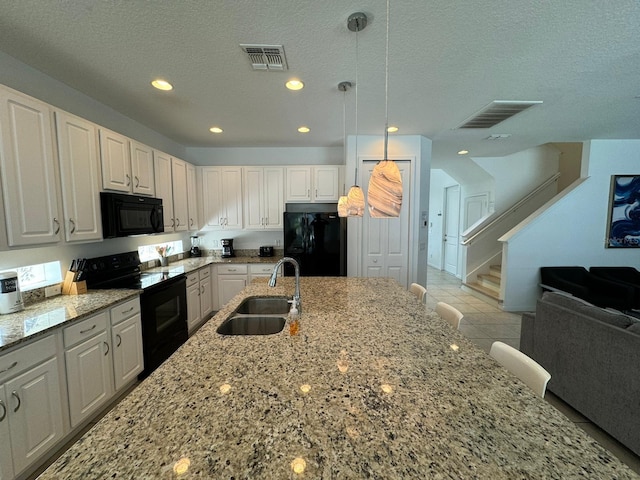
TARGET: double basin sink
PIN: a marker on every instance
(257, 316)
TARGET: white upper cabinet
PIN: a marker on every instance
(78, 156)
(313, 184)
(192, 198)
(263, 197)
(28, 168)
(127, 166)
(222, 197)
(142, 169)
(180, 202)
(164, 188)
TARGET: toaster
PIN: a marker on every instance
(266, 252)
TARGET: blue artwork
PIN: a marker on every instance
(624, 217)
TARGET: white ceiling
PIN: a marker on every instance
(448, 59)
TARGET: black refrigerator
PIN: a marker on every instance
(317, 238)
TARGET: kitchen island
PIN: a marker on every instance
(373, 386)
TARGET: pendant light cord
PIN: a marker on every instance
(355, 180)
(386, 90)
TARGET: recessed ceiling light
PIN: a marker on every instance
(215, 130)
(304, 129)
(294, 84)
(162, 84)
(392, 129)
(463, 152)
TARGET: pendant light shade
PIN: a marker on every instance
(355, 202)
(384, 195)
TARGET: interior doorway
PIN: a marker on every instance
(451, 229)
(386, 240)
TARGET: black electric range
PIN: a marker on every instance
(163, 302)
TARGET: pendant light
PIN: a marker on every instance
(343, 87)
(355, 198)
(384, 194)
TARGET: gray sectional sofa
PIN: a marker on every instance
(593, 356)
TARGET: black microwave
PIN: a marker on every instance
(124, 215)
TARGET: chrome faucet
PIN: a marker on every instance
(295, 303)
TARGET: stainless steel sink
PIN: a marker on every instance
(264, 306)
(251, 325)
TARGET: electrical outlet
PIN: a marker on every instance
(52, 291)
(180, 256)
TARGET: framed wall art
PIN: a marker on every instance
(624, 212)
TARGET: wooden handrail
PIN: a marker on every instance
(512, 209)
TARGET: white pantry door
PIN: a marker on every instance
(385, 241)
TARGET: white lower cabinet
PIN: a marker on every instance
(232, 279)
(30, 405)
(126, 341)
(89, 366)
(260, 270)
(199, 297)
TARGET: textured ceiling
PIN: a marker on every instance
(448, 59)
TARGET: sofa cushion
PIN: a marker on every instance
(634, 328)
(578, 305)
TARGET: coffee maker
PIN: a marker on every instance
(227, 248)
(195, 247)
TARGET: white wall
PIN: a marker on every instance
(572, 231)
(265, 156)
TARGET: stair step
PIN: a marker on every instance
(489, 281)
(492, 294)
(496, 270)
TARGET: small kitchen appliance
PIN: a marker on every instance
(265, 252)
(10, 296)
(227, 248)
(195, 247)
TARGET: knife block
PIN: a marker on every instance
(71, 286)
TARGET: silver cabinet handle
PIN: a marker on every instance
(9, 367)
(55, 220)
(202, 289)
(173, 223)
(191, 222)
(88, 329)
(128, 179)
(4, 411)
(15, 395)
(72, 225)
(119, 340)
(137, 181)
(107, 352)
(128, 310)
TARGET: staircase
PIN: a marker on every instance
(488, 284)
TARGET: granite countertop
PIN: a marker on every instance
(41, 317)
(373, 386)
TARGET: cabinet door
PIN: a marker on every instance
(298, 184)
(6, 463)
(229, 286)
(273, 198)
(326, 184)
(35, 413)
(253, 198)
(179, 184)
(212, 207)
(232, 196)
(142, 169)
(206, 300)
(116, 161)
(164, 190)
(27, 161)
(126, 339)
(192, 199)
(88, 377)
(78, 156)
(193, 306)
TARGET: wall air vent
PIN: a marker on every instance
(266, 57)
(496, 112)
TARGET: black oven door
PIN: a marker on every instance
(164, 321)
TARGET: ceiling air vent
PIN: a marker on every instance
(496, 112)
(266, 57)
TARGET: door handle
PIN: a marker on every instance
(57, 223)
(119, 340)
(15, 395)
(106, 345)
(9, 367)
(4, 411)
(128, 179)
(72, 225)
(137, 181)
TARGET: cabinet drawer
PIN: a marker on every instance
(85, 329)
(264, 268)
(192, 278)
(26, 357)
(125, 310)
(236, 269)
(205, 273)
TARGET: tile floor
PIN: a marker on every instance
(484, 323)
